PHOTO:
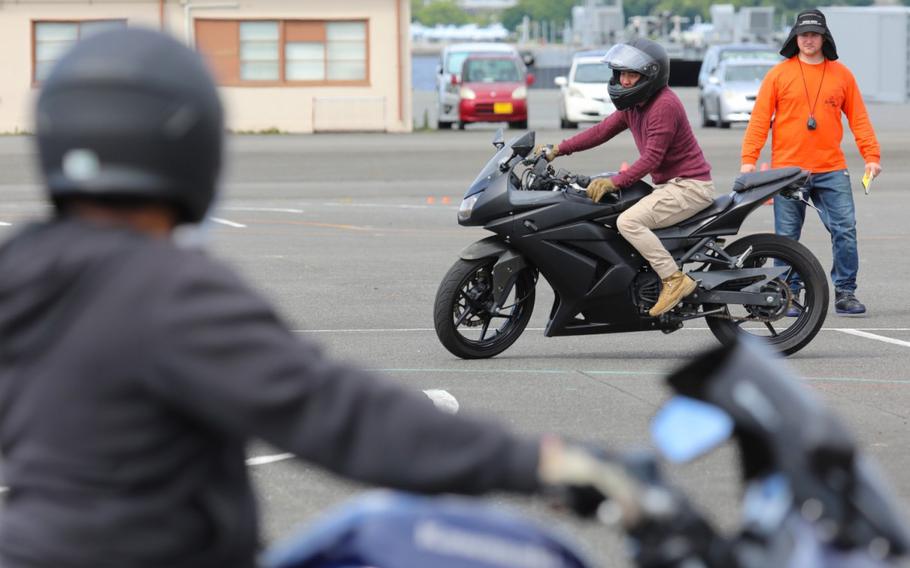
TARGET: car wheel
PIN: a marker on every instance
(459, 125)
(705, 121)
(444, 125)
(720, 121)
(519, 124)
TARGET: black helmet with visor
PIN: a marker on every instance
(642, 56)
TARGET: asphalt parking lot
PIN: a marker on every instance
(350, 235)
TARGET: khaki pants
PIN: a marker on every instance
(668, 204)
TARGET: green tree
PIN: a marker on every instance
(557, 11)
(438, 12)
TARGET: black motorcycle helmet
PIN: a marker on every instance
(644, 57)
(130, 116)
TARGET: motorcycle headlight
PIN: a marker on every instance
(520, 93)
(467, 94)
(467, 206)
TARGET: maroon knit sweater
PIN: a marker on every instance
(665, 142)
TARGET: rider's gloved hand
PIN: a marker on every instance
(600, 187)
(549, 151)
(569, 475)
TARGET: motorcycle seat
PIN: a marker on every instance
(746, 182)
(719, 206)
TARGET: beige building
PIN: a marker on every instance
(290, 65)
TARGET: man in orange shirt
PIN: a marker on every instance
(801, 101)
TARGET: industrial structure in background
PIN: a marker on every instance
(874, 42)
(598, 23)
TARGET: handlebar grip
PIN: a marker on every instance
(583, 181)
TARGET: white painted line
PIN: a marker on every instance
(379, 330)
(263, 209)
(414, 329)
(226, 222)
(443, 400)
(881, 338)
(4, 489)
(262, 460)
(5, 224)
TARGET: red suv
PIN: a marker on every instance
(494, 88)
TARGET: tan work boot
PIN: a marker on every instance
(675, 287)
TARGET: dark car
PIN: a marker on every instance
(494, 88)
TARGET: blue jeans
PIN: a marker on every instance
(832, 194)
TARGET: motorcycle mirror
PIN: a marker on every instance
(498, 140)
(686, 428)
(523, 145)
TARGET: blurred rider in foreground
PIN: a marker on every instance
(133, 371)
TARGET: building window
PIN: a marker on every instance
(269, 52)
(259, 59)
(53, 39)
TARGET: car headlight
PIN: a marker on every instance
(520, 93)
(467, 93)
(467, 206)
(573, 92)
(731, 95)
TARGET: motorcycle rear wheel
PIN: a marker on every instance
(463, 314)
(785, 334)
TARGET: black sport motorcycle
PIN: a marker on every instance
(544, 224)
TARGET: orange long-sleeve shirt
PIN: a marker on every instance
(783, 106)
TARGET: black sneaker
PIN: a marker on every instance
(845, 303)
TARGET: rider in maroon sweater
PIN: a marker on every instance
(668, 151)
(665, 142)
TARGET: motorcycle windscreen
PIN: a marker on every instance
(686, 428)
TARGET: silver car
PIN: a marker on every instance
(729, 94)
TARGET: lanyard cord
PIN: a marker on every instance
(806, 86)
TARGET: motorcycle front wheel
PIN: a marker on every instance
(466, 321)
(803, 290)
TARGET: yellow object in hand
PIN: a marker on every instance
(867, 182)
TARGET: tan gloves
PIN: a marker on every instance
(549, 151)
(600, 187)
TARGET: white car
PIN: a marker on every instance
(583, 94)
(730, 92)
(447, 76)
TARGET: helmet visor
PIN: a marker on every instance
(624, 57)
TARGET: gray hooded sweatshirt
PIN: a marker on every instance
(133, 372)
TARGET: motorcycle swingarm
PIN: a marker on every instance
(730, 297)
(750, 295)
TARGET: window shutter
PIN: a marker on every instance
(219, 42)
(302, 31)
